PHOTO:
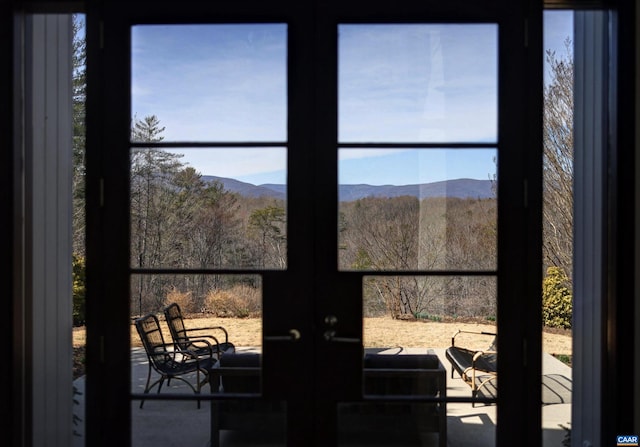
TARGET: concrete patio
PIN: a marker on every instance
(175, 423)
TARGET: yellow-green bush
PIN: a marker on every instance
(240, 301)
(182, 299)
(557, 299)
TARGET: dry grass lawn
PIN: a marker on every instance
(378, 332)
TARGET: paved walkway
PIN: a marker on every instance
(175, 423)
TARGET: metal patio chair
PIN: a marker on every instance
(199, 340)
(477, 367)
(171, 362)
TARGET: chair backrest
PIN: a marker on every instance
(248, 382)
(173, 316)
(427, 377)
(148, 328)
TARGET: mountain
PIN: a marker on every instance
(248, 189)
(459, 188)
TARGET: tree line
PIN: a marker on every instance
(180, 221)
(424, 235)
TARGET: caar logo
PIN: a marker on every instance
(627, 440)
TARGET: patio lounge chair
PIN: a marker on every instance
(170, 362)
(202, 340)
(477, 367)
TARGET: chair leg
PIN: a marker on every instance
(160, 383)
(199, 386)
(146, 387)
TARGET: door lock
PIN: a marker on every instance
(331, 320)
(330, 334)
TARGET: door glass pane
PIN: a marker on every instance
(558, 228)
(219, 352)
(205, 206)
(190, 208)
(400, 83)
(420, 334)
(424, 209)
(212, 82)
(417, 209)
(78, 228)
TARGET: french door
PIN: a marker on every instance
(310, 90)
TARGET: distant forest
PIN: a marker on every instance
(179, 220)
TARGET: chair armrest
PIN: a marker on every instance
(479, 354)
(201, 343)
(460, 331)
(200, 339)
(166, 347)
(212, 328)
(482, 362)
(175, 351)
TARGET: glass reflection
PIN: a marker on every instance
(425, 209)
(400, 83)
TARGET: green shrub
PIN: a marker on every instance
(564, 358)
(79, 290)
(557, 299)
(427, 316)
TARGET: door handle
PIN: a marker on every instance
(294, 335)
(330, 335)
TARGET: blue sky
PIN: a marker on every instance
(397, 83)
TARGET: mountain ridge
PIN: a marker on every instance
(459, 188)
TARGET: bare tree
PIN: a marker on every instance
(404, 234)
(79, 84)
(558, 163)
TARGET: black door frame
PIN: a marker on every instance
(311, 227)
